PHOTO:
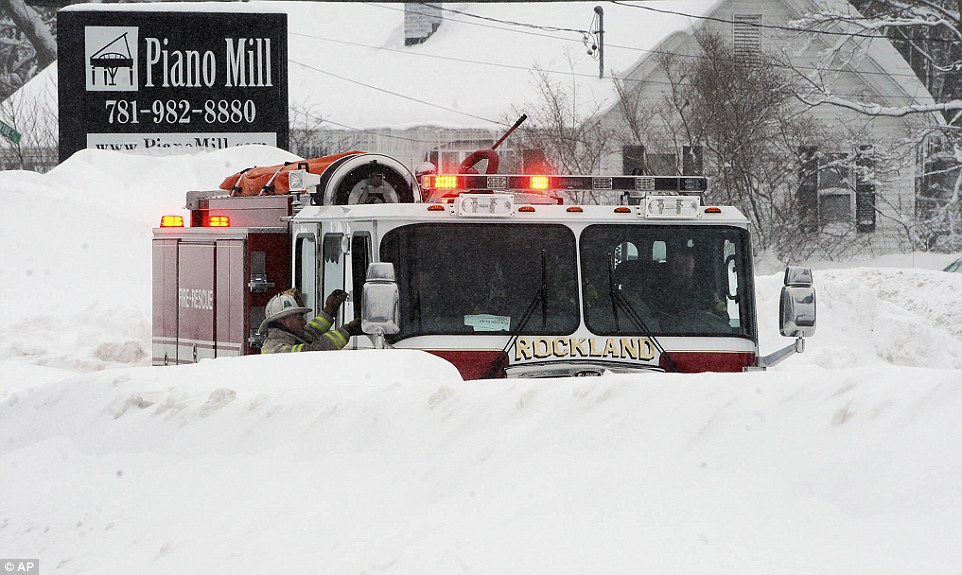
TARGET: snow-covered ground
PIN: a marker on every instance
(845, 459)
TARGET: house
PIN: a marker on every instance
(856, 185)
(438, 81)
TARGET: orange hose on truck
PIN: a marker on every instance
(273, 180)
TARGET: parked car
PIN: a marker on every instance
(955, 266)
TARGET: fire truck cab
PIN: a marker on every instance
(501, 275)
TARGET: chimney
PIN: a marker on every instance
(420, 21)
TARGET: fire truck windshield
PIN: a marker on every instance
(481, 278)
(667, 280)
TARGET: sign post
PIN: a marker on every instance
(135, 78)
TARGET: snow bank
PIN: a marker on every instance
(387, 462)
(841, 460)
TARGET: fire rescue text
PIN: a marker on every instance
(196, 298)
(248, 64)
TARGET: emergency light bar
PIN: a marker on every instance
(501, 182)
(672, 207)
(484, 205)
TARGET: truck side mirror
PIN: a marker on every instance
(380, 308)
(796, 307)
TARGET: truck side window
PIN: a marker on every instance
(360, 258)
(731, 272)
(333, 263)
(305, 269)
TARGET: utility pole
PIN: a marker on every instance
(601, 40)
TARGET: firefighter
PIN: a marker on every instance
(685, 302)
(425, 169)
(288, 331)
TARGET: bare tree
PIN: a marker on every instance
(573, 141)
(37, 123)
(929, 34)
(27, 44)
(305, 122)
(739, 115)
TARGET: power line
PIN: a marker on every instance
(404, 96)
(487, 25)
(530, 69)
(374, 132)
(423, 55)
(647, 50)
(509, 22)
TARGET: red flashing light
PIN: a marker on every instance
(435, 208)
(622, 210)
(172, 222)
(526, 209)
(575, 209)
(446, 182)
(538, 182)
(713, 210)
(218, 222)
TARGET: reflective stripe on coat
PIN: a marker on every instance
(317, 336)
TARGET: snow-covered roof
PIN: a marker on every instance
(473, 70)
(349, 64)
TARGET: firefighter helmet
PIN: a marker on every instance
(425, 168)
(282, 305)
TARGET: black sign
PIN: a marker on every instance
(159, 82)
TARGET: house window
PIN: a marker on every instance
(534, 161)
(663, 164)
(633, 160)
(692, 161)
(833, 171)
(834, 206)
(637, 162)
(510, 162)
(450, 162)
(747, 35)
(836, 188)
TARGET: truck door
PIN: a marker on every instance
(334, 247)
(359, 257)
(336, 259)
(165, 301)
(195, 296)
(305, 268)
(229, 295)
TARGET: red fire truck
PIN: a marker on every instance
(502, 275)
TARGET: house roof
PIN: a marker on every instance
(348, 63)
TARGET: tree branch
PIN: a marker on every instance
(34, 28)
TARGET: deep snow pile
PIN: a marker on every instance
(841, 460)
(385, 462)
